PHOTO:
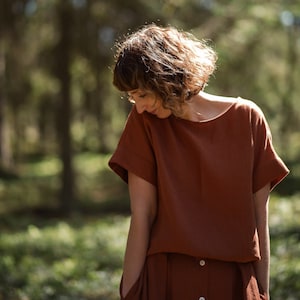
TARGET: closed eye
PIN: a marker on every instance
(132, 96)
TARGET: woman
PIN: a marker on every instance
(199, 169)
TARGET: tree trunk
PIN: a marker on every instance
(289, 120)
(5, 149)
(65, 107)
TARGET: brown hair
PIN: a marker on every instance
(172, 64)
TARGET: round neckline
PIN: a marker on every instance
(223, 113)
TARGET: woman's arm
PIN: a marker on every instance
(262, 267)
(143, 211)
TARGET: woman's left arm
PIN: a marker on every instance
(262, 267)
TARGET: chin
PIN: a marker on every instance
(163, 116)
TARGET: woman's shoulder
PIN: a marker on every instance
(238, 103)
(249, 105)
(241, 106)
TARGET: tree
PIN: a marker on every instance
(65, 106)
(56, 96)
(5, 31)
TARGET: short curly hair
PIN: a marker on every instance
(171, 63)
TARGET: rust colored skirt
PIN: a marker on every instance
(168, 276)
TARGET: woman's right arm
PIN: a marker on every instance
(143, 211)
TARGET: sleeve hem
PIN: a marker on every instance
(276, 173)
(121, 164)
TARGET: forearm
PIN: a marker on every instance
(262, 266)
(136, 251)
(143, 212)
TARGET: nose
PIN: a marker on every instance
(140, 107)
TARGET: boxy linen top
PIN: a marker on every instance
(205, 174)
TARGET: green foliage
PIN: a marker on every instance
(258, 56)
(285, 247)
(258, 59)
(72, 259)
(36, 188)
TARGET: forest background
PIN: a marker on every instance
(63, 214)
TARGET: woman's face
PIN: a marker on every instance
(147, 101)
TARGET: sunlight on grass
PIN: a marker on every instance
(39, 184)
(285, 247)
(89, 163)
(47, 167)
(284, 212)
(78, 260)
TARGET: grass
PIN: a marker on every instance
(285, 247)
(80, 257)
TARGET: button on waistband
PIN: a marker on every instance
(202, 263)
(202, 298)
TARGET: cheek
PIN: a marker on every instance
(158, 103)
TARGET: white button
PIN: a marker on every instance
(202, 263)
(202, 298)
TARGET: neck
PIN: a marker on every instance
(192, 110)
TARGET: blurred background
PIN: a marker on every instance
(63, 214)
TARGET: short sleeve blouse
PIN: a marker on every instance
(205, 174)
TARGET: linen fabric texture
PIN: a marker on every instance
(205, 174)
(171, 276)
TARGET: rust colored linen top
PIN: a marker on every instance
(205, 174)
